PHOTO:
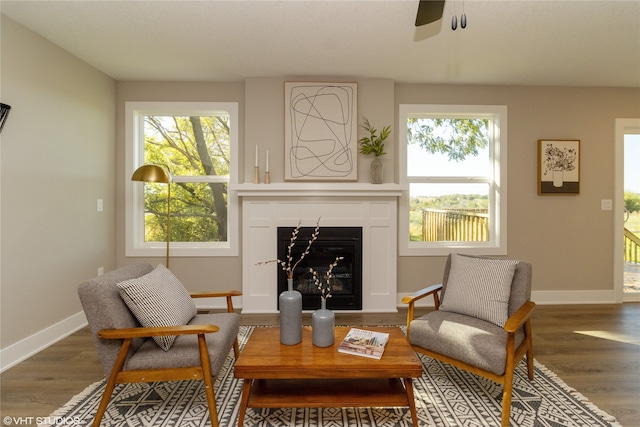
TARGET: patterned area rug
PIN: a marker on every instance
(445, 396)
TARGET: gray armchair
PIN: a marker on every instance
(128, 353)
(487, 348)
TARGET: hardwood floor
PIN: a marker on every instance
(593, 348)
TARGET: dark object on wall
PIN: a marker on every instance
(4, 113)
(429, 11)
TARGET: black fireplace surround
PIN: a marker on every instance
(332, 242)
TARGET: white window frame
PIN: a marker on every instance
(134, 204)
(497, 245)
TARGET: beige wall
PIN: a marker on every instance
(264, 121)
(569, 239)
(58, 158)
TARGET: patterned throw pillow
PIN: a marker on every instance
(479, 287)
(158, 299)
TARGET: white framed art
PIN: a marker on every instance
(321, 131)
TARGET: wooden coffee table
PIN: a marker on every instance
(306, 376)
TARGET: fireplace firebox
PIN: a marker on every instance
(332, 242)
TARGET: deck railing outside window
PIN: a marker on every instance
(455, 225)
(631, 247)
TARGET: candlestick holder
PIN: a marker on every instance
(267, 177)
(256, 175)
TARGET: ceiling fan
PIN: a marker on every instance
(429, 11)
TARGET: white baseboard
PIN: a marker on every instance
(573, 297)
(23, 349)
(631, 297)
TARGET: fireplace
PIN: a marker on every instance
(372, 207)
(332, 242)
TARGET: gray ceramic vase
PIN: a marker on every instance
(290, 302)
(322, 325)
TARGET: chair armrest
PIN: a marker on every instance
(226, 294)
(216, 294)
(518, 318)
(411, 299)
(118, 334)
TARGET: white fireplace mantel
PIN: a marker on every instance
(265, 207)
(318, 189)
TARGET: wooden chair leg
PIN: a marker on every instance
(506, 398)
(410, 314)
(211, 400)
(527, 329)
(208, 380)
(529, 357)
(104, 402)
(507, 380)
(111, 383)
(236, 348)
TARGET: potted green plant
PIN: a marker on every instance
(373, 143)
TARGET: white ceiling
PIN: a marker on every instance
(519, 42)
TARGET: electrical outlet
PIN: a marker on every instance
(100, 271)
(100, 205)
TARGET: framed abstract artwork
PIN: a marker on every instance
(558, 166)
(321, 131)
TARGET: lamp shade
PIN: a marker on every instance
(152, 173)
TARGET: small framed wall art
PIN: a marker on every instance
(321, 131)
(558, 166)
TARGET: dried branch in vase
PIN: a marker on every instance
(325, 291)
(286, 265)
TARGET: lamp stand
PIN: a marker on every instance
(166, 261)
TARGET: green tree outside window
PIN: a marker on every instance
(195, 149)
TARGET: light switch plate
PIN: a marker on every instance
(606, 204)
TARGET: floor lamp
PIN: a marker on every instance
(157, 173)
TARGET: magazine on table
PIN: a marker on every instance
(362, 342)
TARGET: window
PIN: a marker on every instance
(198, 143)
(453, 158)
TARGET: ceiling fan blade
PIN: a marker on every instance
(429, 11)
